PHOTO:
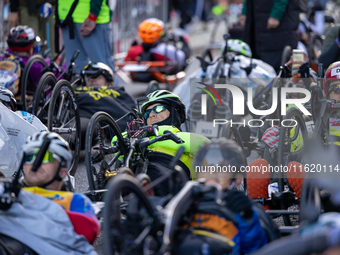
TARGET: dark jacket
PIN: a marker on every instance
(268, 45)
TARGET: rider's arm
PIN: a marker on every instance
(95, 7)
(252, 236)
(279, 9)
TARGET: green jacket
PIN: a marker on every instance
(192, 142)
(277, 11)
(99, 8)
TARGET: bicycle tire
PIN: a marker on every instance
(64, 89)
(42, 100)
(91, 127)
(113, 234)
(25, 78)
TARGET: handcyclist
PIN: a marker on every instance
(167, 111)
(62, 221)
(153, 48)
(210, 228)
(100, 94)
(20, 42)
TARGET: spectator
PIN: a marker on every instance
(85, 26)
(25, 12)
(269, 27)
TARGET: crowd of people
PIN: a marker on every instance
(49, 217)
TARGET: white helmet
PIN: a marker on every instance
(57, 146)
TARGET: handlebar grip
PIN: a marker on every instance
(40, 156)
(173, 137)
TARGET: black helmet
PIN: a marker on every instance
(168, 98)
(222, 152)
(96, 69)
(7, 98)
(21, 38)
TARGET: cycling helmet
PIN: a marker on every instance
(168, 98)
(239, 46)
(7, 98)
(332, 73)
(150, 30)
(57, 146)
(21, 38)
(222, 152)
(96, 69)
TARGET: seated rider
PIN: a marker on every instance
(153, 48)
(48, 181)
(331, 88)
(100, 94)
(20, 42)
(210, 228)
(166, 110)
(68, 223)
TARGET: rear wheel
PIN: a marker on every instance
(101, 164)
(42, 96)
(63, 118)
(36, 62)
(130, 222)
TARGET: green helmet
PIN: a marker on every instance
(239, 46)
(168, 98)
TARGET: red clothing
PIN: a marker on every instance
(158, 52)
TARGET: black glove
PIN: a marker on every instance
(238, 202)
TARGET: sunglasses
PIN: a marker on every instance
(155, 109)
(334, 88)
(49, 157)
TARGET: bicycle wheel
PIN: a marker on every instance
(42, 96)
(101, 164)
(63, 118)
(130, 221)
(26, 85)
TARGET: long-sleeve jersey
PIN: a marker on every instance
(77, 206)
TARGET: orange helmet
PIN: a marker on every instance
(150, 30)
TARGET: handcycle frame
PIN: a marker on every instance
(133, 148)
